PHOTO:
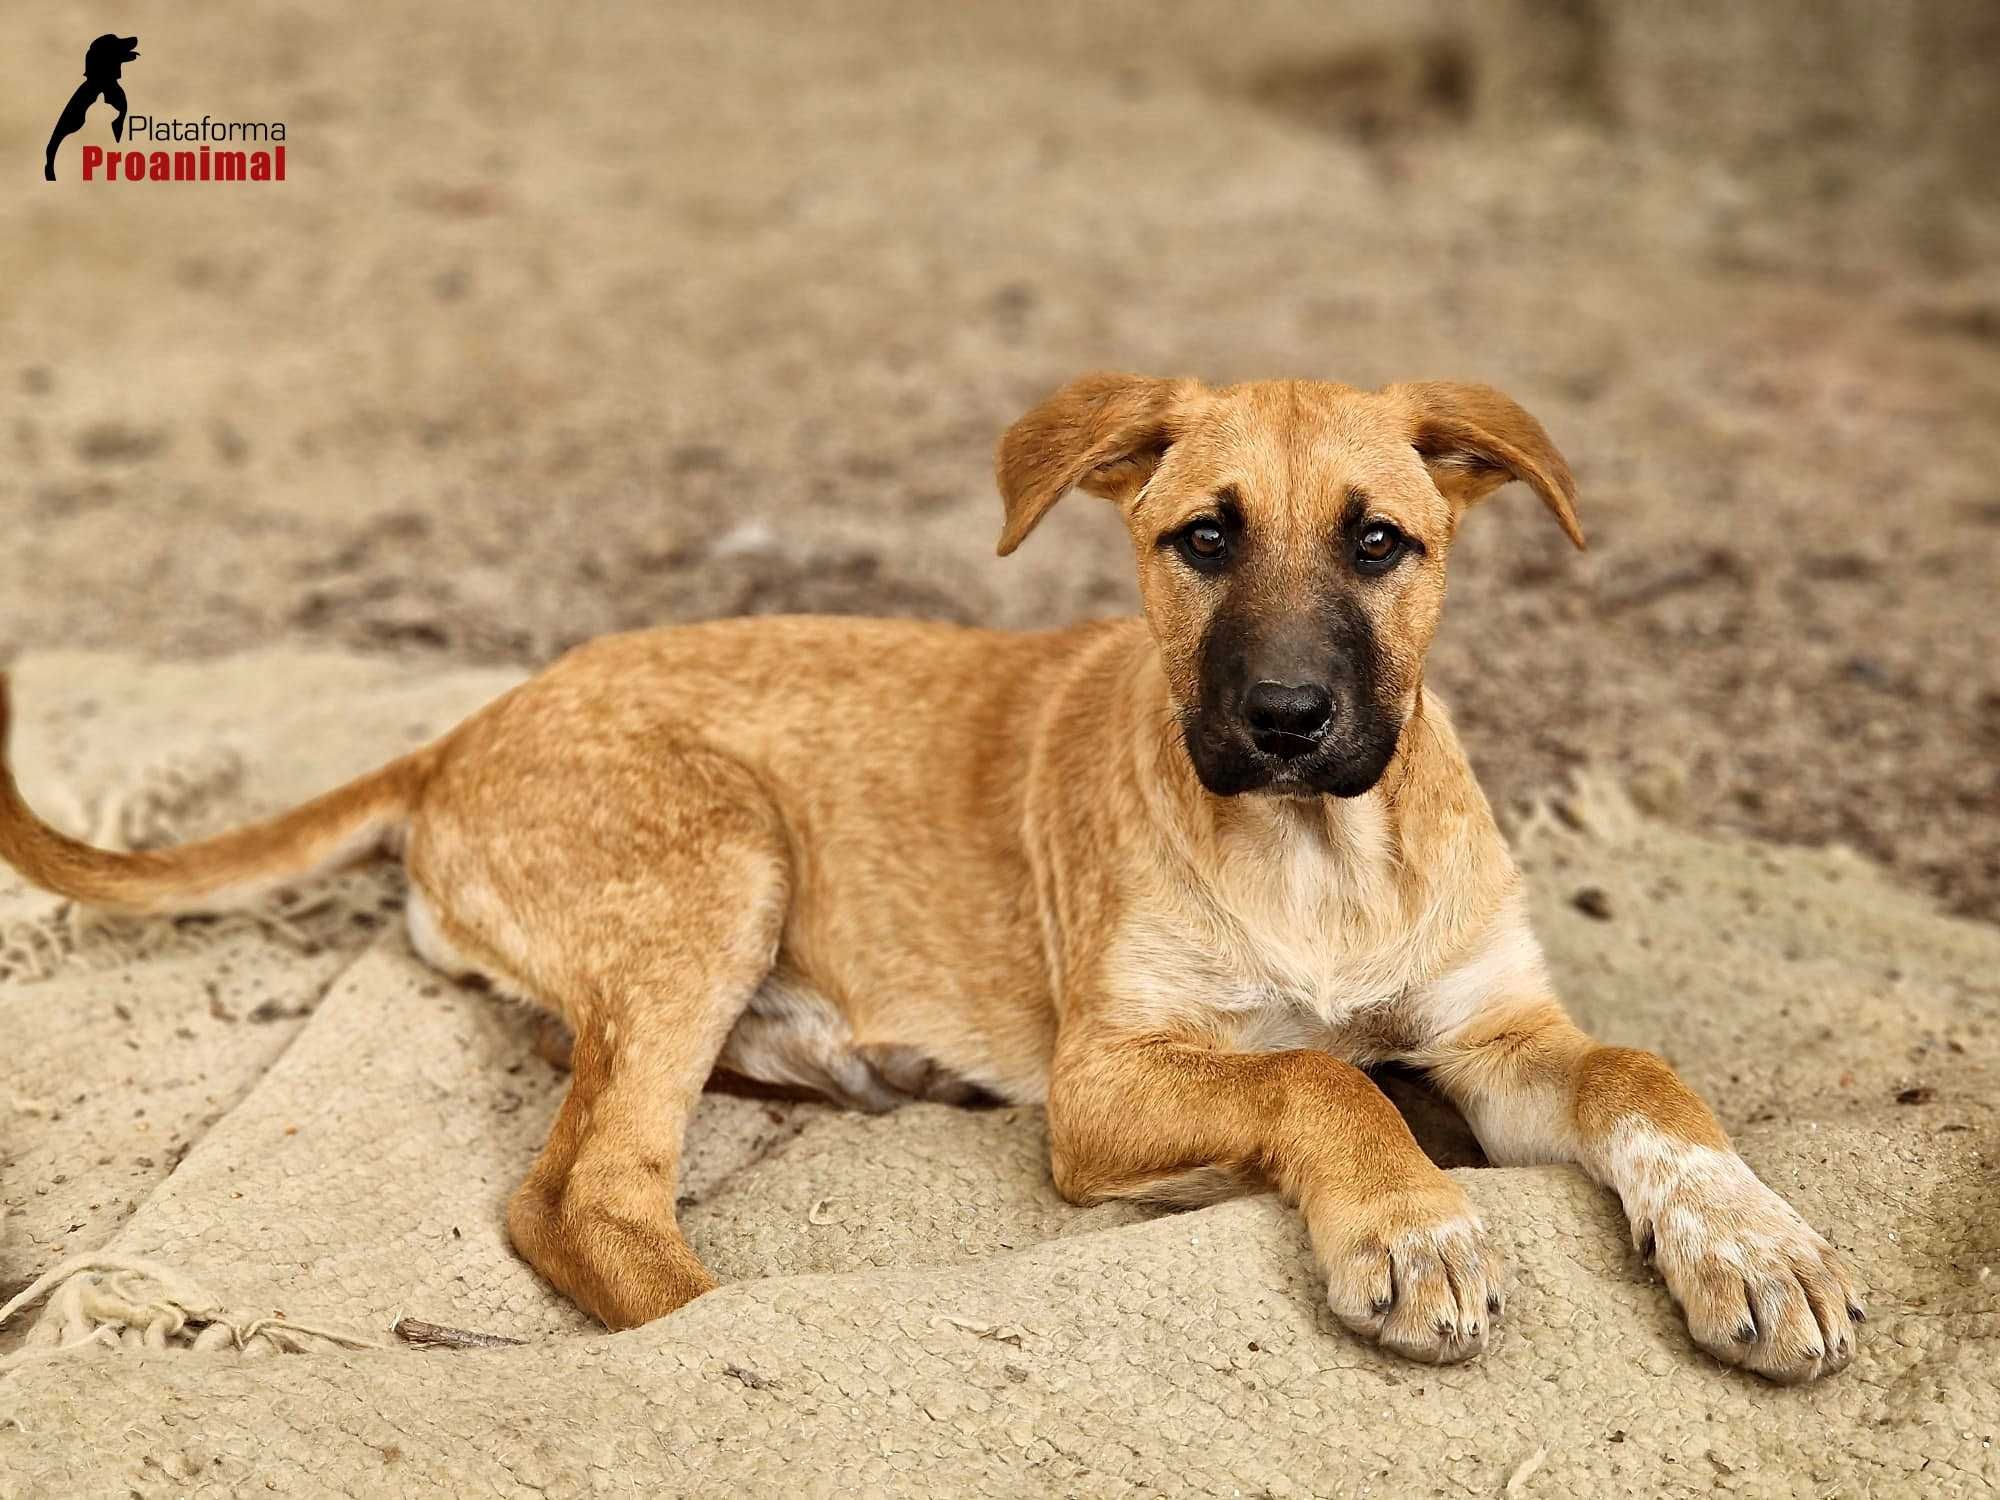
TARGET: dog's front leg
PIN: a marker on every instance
(1759, 1287)
(1404, 1255)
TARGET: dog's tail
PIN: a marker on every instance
(341, 828)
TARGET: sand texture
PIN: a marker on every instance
(585, 317)
(294, 1113)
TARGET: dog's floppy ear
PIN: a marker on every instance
(1105, 433)
(1473, 440)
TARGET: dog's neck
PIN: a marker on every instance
(1415, 864)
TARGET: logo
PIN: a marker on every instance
(101, 64)
(203, 151)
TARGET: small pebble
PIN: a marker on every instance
(1592, 902)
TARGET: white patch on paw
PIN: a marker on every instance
(1696, 1192)
(1758, 1285)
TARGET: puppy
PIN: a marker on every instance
(103, 62)
(1176, 878)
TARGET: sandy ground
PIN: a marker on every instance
(586, 317)
(592, 317)
(300, 1119)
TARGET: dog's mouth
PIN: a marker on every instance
(1230, 762)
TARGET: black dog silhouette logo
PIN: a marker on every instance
(102, 63)
(190, 150)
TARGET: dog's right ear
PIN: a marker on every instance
(1105, 433)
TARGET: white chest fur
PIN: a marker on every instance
(1318, 938)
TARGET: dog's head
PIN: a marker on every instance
(108, 54)
(1291, 540)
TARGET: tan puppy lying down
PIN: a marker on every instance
(1177, 878)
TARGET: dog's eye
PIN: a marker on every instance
(1205, 544)
(1377, 547)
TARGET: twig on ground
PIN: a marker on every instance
(437, 1336)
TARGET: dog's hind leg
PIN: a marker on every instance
(647, 924)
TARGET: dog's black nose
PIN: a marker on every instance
(1287, 719)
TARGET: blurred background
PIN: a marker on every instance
(572, 319)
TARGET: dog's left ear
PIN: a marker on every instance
(1473, 439)
(1105, 433)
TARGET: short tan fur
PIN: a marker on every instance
(1179, 878)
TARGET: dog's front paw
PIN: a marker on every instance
(1758, 1285)
(1411, 1270)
